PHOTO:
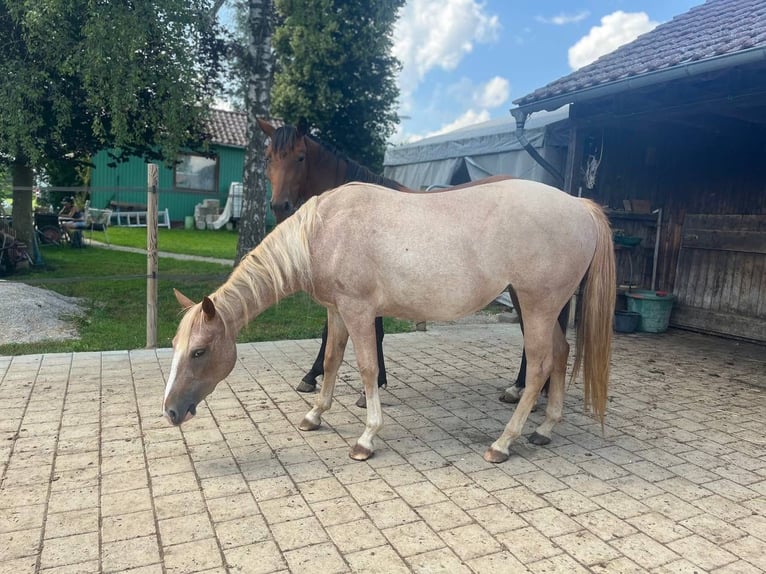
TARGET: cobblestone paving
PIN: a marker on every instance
(95, 480)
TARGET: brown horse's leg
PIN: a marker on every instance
(309, 382)
(337, 337)
(538, 339)
(361, 402)
(555, 406)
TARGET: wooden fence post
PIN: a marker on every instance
(151, 256)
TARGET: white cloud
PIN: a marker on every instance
(494, 93)
(563, 19)
(615, 30)
(438, 34)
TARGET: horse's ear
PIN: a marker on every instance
(303, 127)
(208, 308)
(183, 299)
(267, 128)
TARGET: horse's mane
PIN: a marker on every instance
(278, 266)
(284, 139)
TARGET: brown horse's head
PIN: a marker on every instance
(204, 352)
(287, 168)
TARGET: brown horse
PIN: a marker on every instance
(300, 167)
(439, 257)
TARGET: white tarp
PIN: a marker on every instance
(481, 150)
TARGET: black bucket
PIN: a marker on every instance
(626, 321)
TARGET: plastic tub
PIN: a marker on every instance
(654, 308)
(626, 321)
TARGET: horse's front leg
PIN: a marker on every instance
(367, 361)
(539, 347)
(337, 337)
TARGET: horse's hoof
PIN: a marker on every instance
(539, 439)
(304, 387)
(308, 425)
(495, 456)
(360, 452)
(361, 402)
(512, 395)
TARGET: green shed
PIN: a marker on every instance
(193, 179)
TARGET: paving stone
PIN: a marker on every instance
(675, 486)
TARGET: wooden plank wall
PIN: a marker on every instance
(721, 275)
(695, 175)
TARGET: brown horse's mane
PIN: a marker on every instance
(284, 139)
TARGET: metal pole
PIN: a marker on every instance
(151, 256)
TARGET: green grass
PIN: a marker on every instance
(221, 244)
(112, 285)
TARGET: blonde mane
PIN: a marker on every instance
(278, 266)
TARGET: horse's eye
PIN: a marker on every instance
(198, 353)
(301, 157)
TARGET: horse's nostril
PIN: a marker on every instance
(173, 416)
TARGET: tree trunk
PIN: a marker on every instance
(23, 225)
(260, 72)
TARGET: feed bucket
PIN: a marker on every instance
(654, 308)
(626, 321)
(189, 222)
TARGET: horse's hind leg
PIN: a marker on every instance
(337, 337)
(513, 393)
(309, 382)
(539, 347)
(555, 405)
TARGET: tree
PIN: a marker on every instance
(78, 76)
(335, 69)
(258, 66)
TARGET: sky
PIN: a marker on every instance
(465, 61)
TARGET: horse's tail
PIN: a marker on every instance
(594, 330)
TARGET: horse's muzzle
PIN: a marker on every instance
(175, 416)
(282, 210)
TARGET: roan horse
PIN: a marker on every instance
(439, 257)
(300, 167)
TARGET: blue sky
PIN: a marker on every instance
(465, 61)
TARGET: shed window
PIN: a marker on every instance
(196, 172)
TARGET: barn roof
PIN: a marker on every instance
(715, 35)
(228, 128)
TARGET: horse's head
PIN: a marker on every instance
(287, 167)
(204, 352)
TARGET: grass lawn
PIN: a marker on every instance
(112, 285)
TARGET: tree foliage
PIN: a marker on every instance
(77, 76)
(335, 69)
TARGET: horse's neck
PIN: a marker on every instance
(327, 171)
(278, 267)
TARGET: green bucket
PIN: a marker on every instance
(654, 308)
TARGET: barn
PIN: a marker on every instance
(669, 133)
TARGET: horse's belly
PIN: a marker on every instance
(435, 298)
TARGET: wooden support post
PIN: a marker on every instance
(151, 256)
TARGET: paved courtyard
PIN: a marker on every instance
(95, 480)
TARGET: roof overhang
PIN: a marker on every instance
(686, 70)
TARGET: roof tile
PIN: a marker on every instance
(228, 128)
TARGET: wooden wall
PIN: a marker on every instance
(693, 168)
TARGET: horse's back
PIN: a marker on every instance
(472, 241)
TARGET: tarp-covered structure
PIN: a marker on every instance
(481, 150)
